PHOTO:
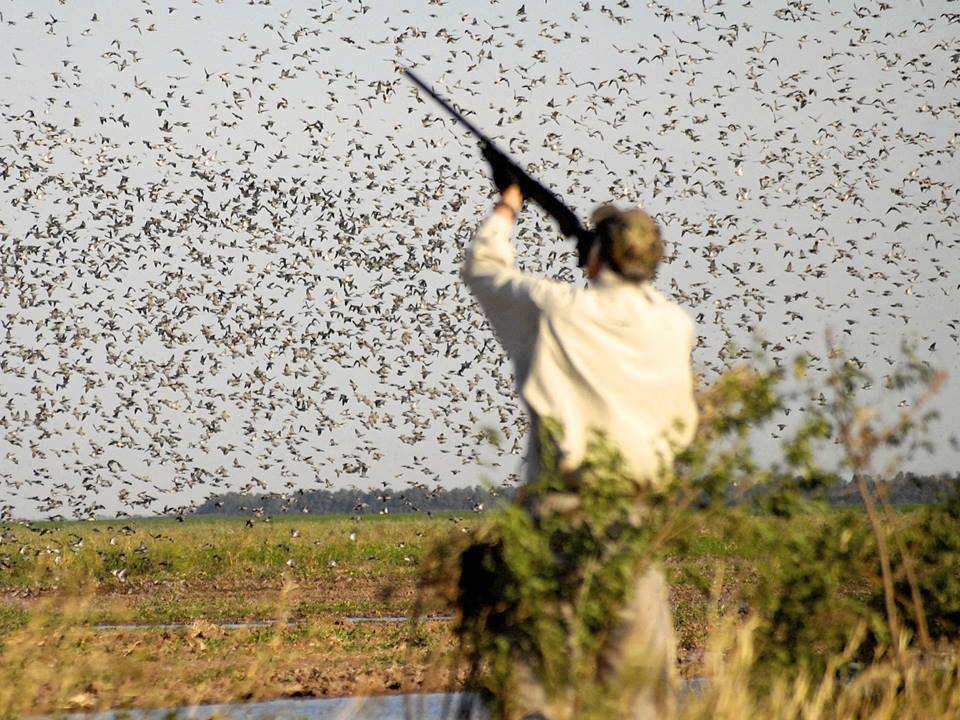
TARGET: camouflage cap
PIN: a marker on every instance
(630, 241)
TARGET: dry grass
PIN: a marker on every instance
(54, 663)
(923, 688)
(202, 572)
(305, 576)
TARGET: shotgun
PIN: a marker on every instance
(570, 225)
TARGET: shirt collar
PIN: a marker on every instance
(607, 279)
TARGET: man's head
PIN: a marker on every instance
(628, 242)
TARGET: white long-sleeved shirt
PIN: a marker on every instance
(614, 357)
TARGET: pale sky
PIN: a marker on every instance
(232, 235)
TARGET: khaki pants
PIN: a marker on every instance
(636, 669)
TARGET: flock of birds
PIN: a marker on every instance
(231, 236)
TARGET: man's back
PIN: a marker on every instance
(614, 358)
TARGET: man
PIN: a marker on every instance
(613, 359)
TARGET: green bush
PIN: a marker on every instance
(836, 587)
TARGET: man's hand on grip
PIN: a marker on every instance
(512, 198)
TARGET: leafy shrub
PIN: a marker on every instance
(837, 589)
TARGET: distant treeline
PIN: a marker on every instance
(905, 489)
(358, 502)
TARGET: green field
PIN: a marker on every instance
(307, 579)
(305, 576)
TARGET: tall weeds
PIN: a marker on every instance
(845, 618)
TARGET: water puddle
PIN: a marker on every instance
(175, 626)
(263, 623)
(429, 706)
(396, 618)
(433, 706)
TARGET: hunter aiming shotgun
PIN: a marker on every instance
(570, 225)
(604, 375)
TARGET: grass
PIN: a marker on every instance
(201, 549)
(312, 571)
(227, 550)
(12, 618)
